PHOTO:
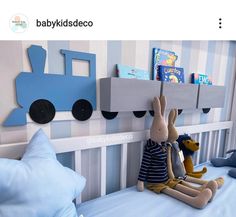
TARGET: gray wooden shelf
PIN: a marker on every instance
(120, 94)
(211, 96)
(181, 96)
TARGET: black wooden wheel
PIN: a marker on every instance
(139, 114)
(180, 111)
(42, 111)
(151, 113)
(109, 115)
(82, 110)
(206, 110)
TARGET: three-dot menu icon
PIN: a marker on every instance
(220, 23)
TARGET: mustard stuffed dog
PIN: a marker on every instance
(156, 168)
(189, 146)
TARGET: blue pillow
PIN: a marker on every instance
(38, 185)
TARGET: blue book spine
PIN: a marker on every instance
(155, 61)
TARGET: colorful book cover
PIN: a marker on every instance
(201, 79)
(130, 72)
(171, 74)
(162, 57)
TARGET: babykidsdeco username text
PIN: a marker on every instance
(63, 23)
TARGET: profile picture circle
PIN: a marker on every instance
(19, 23)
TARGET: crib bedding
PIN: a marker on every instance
(129, 202)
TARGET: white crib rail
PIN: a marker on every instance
(77, 144)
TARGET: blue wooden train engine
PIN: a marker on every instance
(41, 94)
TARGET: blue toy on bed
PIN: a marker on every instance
(231, 162)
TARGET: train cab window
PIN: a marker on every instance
(80, 68)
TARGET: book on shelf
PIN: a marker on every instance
(171, 74)
(197, 78)
(162, 57)
(131, 72)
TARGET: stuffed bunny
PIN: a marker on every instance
(177, 165)
(156, 168)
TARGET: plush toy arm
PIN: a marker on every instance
(140, 186)
(146, 161)
(144, 169)
(169, 164)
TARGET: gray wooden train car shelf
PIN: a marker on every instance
(119, 95)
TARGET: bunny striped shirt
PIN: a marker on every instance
(154, 163)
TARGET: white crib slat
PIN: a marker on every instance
(218, 143)
(78, 161)
(198, 152)
(78, 170)
(213, 145)
(229, 144)
(103, 170)
(209, 145)
(123, 168)
(141, 151)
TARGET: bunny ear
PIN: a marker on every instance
(171, 117)
(176, 115)
(163, 104)
(157, 106)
